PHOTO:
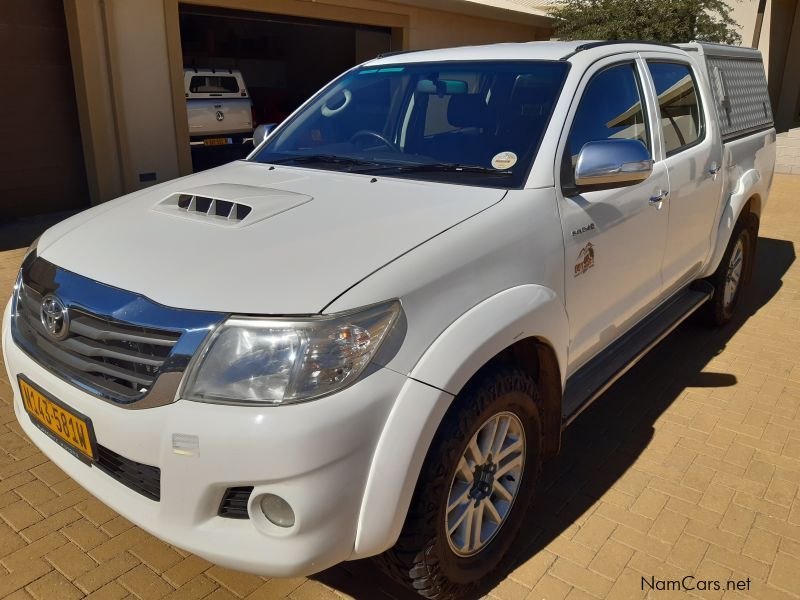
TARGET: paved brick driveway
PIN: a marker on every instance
(690, 465)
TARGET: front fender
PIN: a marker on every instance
(490, 327)
(445, 367)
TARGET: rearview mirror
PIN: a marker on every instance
(262, 132)
(608, 162)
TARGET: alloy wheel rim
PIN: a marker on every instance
(485, 484)
(734, 275)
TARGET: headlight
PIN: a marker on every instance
(281, 361)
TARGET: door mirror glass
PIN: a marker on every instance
(262, 132)
(613, 162)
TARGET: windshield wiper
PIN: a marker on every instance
(439, 167)
(327, 158)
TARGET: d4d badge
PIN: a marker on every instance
(585, 259)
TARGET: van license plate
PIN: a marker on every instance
(217, 141)
(63, 424)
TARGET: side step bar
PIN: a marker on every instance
(595, 377)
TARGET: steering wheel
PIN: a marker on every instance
(366, 133)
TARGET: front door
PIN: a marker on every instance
(614, 238)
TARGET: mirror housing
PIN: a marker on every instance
(613, 162)
(262, 132)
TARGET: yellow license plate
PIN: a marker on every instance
(64, 424)
(217, 141)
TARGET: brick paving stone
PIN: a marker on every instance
(275, 588)
(20, 515)
(199, 587)
(238, 583)
(761, 545)
(184, 571)
(84, 534)
(785, 574)
(510, 590)
(611, 559)
(110, 591)
(106, 572)
(549, 588)
(53, 585)
(690, 464)
(70, 561)
(144, 583)
(156, 554)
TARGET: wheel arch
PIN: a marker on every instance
(746, 199)
(536, 357)
(525, 326)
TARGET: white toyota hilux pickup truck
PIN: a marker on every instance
(364, 339)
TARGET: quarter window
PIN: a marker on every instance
(611, 108)
(681, 119)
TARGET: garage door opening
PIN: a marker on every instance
(283, 60)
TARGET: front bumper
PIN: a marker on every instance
(315, 455)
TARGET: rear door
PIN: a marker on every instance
(693, 158)
(614, 238)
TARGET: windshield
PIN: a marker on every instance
(476, 123)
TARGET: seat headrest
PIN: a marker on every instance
(468, 110)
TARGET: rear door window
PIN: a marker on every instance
(681, 117)
(213, 84)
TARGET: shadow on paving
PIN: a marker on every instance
(607, 439)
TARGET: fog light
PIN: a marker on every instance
(277, 510)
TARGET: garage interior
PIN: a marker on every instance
(283, 60)
(41, 159)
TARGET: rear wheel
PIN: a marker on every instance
(477, 481)
(733, 271)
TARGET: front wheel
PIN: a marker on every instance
(476, 483)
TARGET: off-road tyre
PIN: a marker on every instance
(422, 559)
(716, 311)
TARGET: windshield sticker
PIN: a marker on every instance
(504, 160)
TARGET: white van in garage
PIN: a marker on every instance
(219, 106)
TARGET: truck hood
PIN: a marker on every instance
(280, 240)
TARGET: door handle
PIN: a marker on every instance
(658, 198)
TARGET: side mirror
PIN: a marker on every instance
(262, 132)
(608, 162)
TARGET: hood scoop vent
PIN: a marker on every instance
(230, 205)
(212, 207)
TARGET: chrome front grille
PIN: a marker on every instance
(115, 359)
(121, 359)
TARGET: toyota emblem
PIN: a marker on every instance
(220, 115)
(55, 317)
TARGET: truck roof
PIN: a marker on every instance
(557, 51)
(520, 51)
